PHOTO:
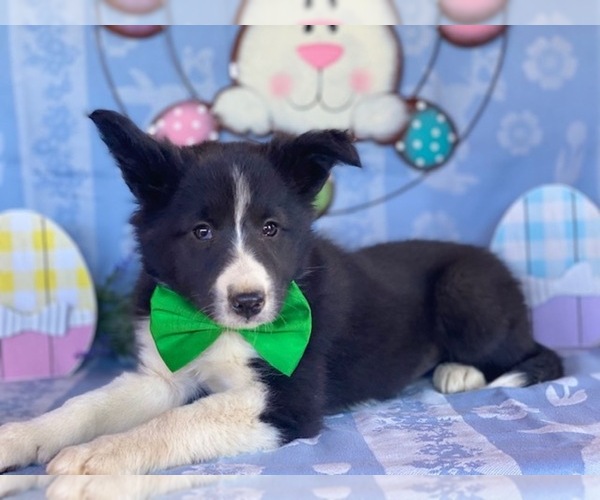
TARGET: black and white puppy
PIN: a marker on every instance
(220, 220)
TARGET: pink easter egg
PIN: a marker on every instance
(185, 124)
(135, 6)
(471, 11)
(135, 30)
(470, 35)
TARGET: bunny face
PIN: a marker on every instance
(315, 76)
(315, 64)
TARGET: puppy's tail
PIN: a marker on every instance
(541, 365)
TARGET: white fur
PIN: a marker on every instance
(450, 378)
(244, 273)
(242, 202)
(315, 99)
(144, 408)
(510, 379)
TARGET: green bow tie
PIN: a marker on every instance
(181, 332)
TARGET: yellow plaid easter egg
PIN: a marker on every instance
(48, 309)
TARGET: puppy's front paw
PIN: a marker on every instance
(105, 455)
(18, 446)
(450, 378)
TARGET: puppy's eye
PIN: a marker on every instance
(270, 229)
(333, 28)
(203, 232)
(308, 28)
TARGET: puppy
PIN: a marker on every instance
(224, 230)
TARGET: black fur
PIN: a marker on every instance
(382, 316)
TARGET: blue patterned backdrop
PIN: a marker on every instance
(540, 126)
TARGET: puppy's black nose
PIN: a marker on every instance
(247, 304)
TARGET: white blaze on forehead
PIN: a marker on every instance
(241, 195)
(244, 273)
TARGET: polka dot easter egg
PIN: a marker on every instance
(185, 124)
(47, 302)
(429, 139)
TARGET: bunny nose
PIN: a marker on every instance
(320, 55)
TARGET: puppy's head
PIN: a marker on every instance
(226, 225)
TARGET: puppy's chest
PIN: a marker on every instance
(225, 365)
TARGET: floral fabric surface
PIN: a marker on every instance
(550, 428)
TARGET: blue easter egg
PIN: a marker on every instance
(430, 138)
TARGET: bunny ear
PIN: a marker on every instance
(305, 161)
(151, 169)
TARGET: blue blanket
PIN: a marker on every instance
(550, 428)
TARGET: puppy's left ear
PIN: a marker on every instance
(305, 161)
(150, 168)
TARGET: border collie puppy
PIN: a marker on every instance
(251, 328)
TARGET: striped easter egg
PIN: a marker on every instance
(48, 306)
(550, 238)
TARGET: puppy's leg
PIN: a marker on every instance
(483, 328)
(129, 400)
(218, 425)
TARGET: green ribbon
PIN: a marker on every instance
(181, 332)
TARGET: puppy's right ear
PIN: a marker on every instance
(151, 169)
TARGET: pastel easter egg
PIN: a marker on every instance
(135, 30)
(471, 11)
(186, 123)
(550, 238)
(135, 6)
(48, 306)
(429, 139)
(471, 35)
(325, 198)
